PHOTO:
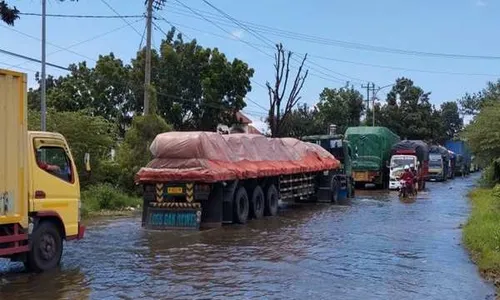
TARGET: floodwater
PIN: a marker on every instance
(377, 247)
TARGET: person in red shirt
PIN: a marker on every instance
(407, 176)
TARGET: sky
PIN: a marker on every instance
(340, 37)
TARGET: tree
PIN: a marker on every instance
(342, 107)
(8, 14)
(197, 88)
(278, 113)
(134, 151)
(103, 90)
(451, 119)
(471, 104)
(411, 116)
(303, 121)
(483, 133)
(84, 133)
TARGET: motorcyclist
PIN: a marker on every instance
(414, 171)
(408, 177)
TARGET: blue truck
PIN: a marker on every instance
(463, 153)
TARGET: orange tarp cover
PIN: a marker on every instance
(211, 157)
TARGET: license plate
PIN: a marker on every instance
(165, 219)
(174, 190)
(361, 176)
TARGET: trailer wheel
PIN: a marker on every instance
(257, 203)
(271, 204)
(241, 206)
(46, 248)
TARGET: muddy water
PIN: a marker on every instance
(377, 247)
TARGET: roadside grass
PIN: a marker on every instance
(481, 234)
(106, 200)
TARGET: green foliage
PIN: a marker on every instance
(303, 121)
(84, 134)
(134, 151)
(472, 104)
(105, 197)
(192, 87)
(409, 113)
(342, 107)
(482, 233)
(483, 133)
(196, 87)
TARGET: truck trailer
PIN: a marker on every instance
(205, 179)
(409, 152)
(372, 148)
(39, 185)
(462, 150)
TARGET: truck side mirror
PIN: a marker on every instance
(86, 162)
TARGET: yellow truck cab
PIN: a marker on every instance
(39, 185)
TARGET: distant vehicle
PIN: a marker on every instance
(462, 150)
(205, 179)
(341, 149)
(408, 152)
(372, 145)
(439, 163)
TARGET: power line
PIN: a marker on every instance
(120, 16)
(81, 42)
(175, 24)
(250, 44)
(265, 39)
(359, 46)
(82, 16)
(32, 59)
(54, 45)
(247, 98)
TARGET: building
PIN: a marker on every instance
(244, 125)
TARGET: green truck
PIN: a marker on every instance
(341, 149)
(372, 147)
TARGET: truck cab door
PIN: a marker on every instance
(55, 185)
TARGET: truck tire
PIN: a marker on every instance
(241, 206)
(46, 248)
(271, 204)
(257, 203)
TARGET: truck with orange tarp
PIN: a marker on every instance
(205, 179)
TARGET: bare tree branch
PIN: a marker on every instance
(277, 115)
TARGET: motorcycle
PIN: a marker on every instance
(406, 189)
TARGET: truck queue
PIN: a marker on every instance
(197, 179)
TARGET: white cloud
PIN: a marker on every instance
(481, 3)
(237, 34)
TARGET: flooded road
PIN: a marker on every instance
(375, 248)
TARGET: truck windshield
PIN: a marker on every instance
(435, 163)
(401, 162)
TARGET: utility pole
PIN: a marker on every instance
(147, 71)
(369, 87)
(43, 103)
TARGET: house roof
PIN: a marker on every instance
(242, 118)
(253, 130)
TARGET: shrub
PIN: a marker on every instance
(106, 197)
